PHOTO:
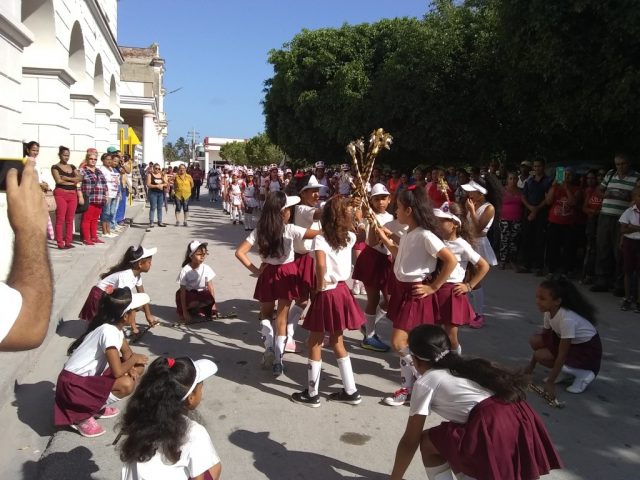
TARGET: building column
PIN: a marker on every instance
(149, 139)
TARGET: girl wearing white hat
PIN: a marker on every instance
(196, 295)
(250, 201)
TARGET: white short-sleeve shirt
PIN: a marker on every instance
(338, 262)
(384, 219)
(90, 358)
(451, 397)
(195, 279)
(464, 253)
(291, 233)
(631, 216)
(304, 218)
(197, 456)
(568, 324)
(122, 279)
(417, 255)
(11, 301)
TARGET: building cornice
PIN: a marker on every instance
(103, 25)
(15, 32)
(106, 111)
(63, 74)
(84, 96)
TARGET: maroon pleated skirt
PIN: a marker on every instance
(277, 282)
(359, 246)
(373, 269)
(406, 311)
(333, 311)
(500, 441)
(193, 296)
(91, 304)
(78, 398)
(586, 356)
(306, 274)
(453, 309)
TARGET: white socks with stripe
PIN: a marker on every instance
(346, 373)
(441, 472)
(313, 375)
(266, 330)
(280, 342)
(295, 312)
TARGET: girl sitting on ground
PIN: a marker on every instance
(101, 368)
(196, 299)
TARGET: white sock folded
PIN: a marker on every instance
(280, 342)
(295, 312)
(266, 330)
(313, 375)
(441, 472)
(407, 370)
(346, 373)
(370, 325)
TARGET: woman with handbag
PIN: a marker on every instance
(66, 177)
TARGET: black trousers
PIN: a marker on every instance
(533, 240)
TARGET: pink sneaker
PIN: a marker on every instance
(89, 428)
(477, 322)
(108, 412)
(292, 347)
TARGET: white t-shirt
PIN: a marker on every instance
(451, 397)
(304, 218)
(195, 279)
(90, 359)
(197, 456)
(464, 253)
(113, 180)
(631, 216)
(384, 219)
(568, 324)
(291, 233)
(11, 301)
(338, 262)
(122, 279)
(417, 255)
(324, 190)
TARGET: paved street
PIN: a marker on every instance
(259, 433)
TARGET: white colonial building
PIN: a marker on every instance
(212, 150)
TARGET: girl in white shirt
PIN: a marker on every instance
(101, 368)
(569, 343)
(411, 287)
(250, 201)
(489, 431)
(126, 273)
(333, 308)
(236, 188)
(161, 441)
(277, 274)
(453, 303)
(196, 296)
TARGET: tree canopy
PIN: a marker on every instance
(256, 151)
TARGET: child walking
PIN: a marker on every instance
(569, 342)
(277, 275)
(236, 188)
(630, 243)
(250, 201)
(161, 440)
(453, 303)
(196, 296)
(489, 431)
(101, 368)
(411, 289)
(127, 273)
(333, 309)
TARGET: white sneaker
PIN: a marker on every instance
(581, 382)
(356, 287)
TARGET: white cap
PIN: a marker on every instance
(204, 369)
(273, 166)
(195, 245)
(137, 300)
(288, 170)
(443, 212)
(345, 167)
(320, 164)
(249, 172)
(379, 189)
(312, 183)
(291, 201)
(474, 187)
(146, 253)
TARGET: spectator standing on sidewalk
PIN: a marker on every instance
(66, 177)
(591, 208)
(94, 191)
(617, 186)
(510, 220)
(156, 183)
(525, 170)
(183, 185)
(126, 182)
(198, 175)
(630, 243)
(112, 176)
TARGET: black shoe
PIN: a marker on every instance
(303, 398)
(523, 270)
(598, 288)
(344, 397)
(626, 305)
(162, 224)
(150, 225)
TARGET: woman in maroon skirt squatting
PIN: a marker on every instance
(333, 308)
(278, 274)
(489, 431)
(101, 368)
(412, 299)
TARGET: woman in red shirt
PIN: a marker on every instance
(591, 208)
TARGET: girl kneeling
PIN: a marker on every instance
(196, 296)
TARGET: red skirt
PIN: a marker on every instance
(90, 307)
(306, 274)
(277, 282)
(406, 311)
(453, 310)
(359, 246)
(78, 398)
(500, 441)
(373, 269)
(333, 311)
(585, 356)
(199, 296)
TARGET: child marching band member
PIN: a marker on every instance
(569, 343)
(101, 368)
(333, 308)
(236, 188)
(411, 295)
(490, 432)
(161, 440)
(250, 201)
(373, 268)
(127, 273)
(453, 304)
(196, 296)
(277, 275)
(306, 215)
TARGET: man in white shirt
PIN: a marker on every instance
(27, 295)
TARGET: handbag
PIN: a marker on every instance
(50, 200)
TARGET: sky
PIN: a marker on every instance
(216, 51)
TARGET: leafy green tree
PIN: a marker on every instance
(234, 152)
(184, 150)
(260, 151)
(170, 153)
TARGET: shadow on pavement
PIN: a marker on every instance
(35, 406)
(76, 463)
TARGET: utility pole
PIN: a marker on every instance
(194, 138)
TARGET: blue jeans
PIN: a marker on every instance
(182, 205)
(109, 210)
(156, 202)
(122, 205)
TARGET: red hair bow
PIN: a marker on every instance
(411, 187)
(171, 361)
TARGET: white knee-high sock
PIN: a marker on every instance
(295, 313)
(441, 472)
(370, 325)
(458, 350)
(313, 375)
(266, 331)
(407, 370)
(110, 400)
(346, 373)
(280, 341)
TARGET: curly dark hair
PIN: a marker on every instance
(561, 287)
(336, 222)
(155, 418)
(429, 342)
(270, 228)
(417, 199)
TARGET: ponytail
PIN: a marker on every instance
(422, 210)
(131, 256)
(270, 228)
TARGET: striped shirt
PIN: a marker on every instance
(617, 195)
